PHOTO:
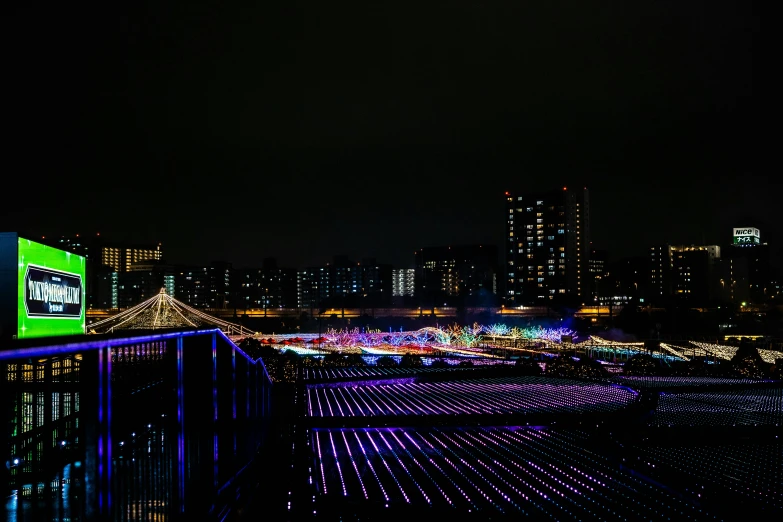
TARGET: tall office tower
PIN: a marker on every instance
(547, 247)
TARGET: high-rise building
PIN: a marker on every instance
(597, 267)
(749, 271)
(547, 246)
(456, 275)
(143, 280)
(106, 295)
(625, 280)
(377, 283)
(122, 257)
(206, 287)
(269, 287)
(105, 256)
(403, 282)
(688, 272)
(192, 286)
(344, 283)
(312, 288)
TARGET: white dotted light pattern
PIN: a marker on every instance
(763, 407)
(475, 396)
(752, 470)
(496, 470)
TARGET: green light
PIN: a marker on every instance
(51, 291)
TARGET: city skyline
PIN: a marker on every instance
(177, 252)
(308, 131)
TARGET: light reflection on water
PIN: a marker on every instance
(143, 477)
(61, 503)
(143, 482)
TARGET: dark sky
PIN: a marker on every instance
(304, 129)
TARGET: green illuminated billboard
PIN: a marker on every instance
(747, 236)
(50, 292)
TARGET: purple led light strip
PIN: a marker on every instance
(107, 376)
(369, 465)
(423, 470)
(355, 467)
(100, 431)
(386, 465)
(181, 430)
(465, 462)
(215, 407)
(437, 467)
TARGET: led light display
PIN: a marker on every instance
(50, 292)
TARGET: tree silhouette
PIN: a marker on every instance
(527, 367)
(747, 362)
(640, 364)
(386, 361)
(410, 360)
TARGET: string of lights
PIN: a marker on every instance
(163, 311)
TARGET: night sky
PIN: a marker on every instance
(307, 129)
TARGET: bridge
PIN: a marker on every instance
(148, 424)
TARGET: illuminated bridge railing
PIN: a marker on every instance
(117, 427)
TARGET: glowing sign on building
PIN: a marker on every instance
(42, 289)
(747, 236)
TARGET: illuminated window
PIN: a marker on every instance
(39, 407)
(55, 405)
(27, 411)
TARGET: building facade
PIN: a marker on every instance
(143, 280)
(547, 247)
(344, 283)
(403, 284)
(749, 271)
(206, 286)
(268, 288)
(106, 259)
(686, 272)
(456, 275)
